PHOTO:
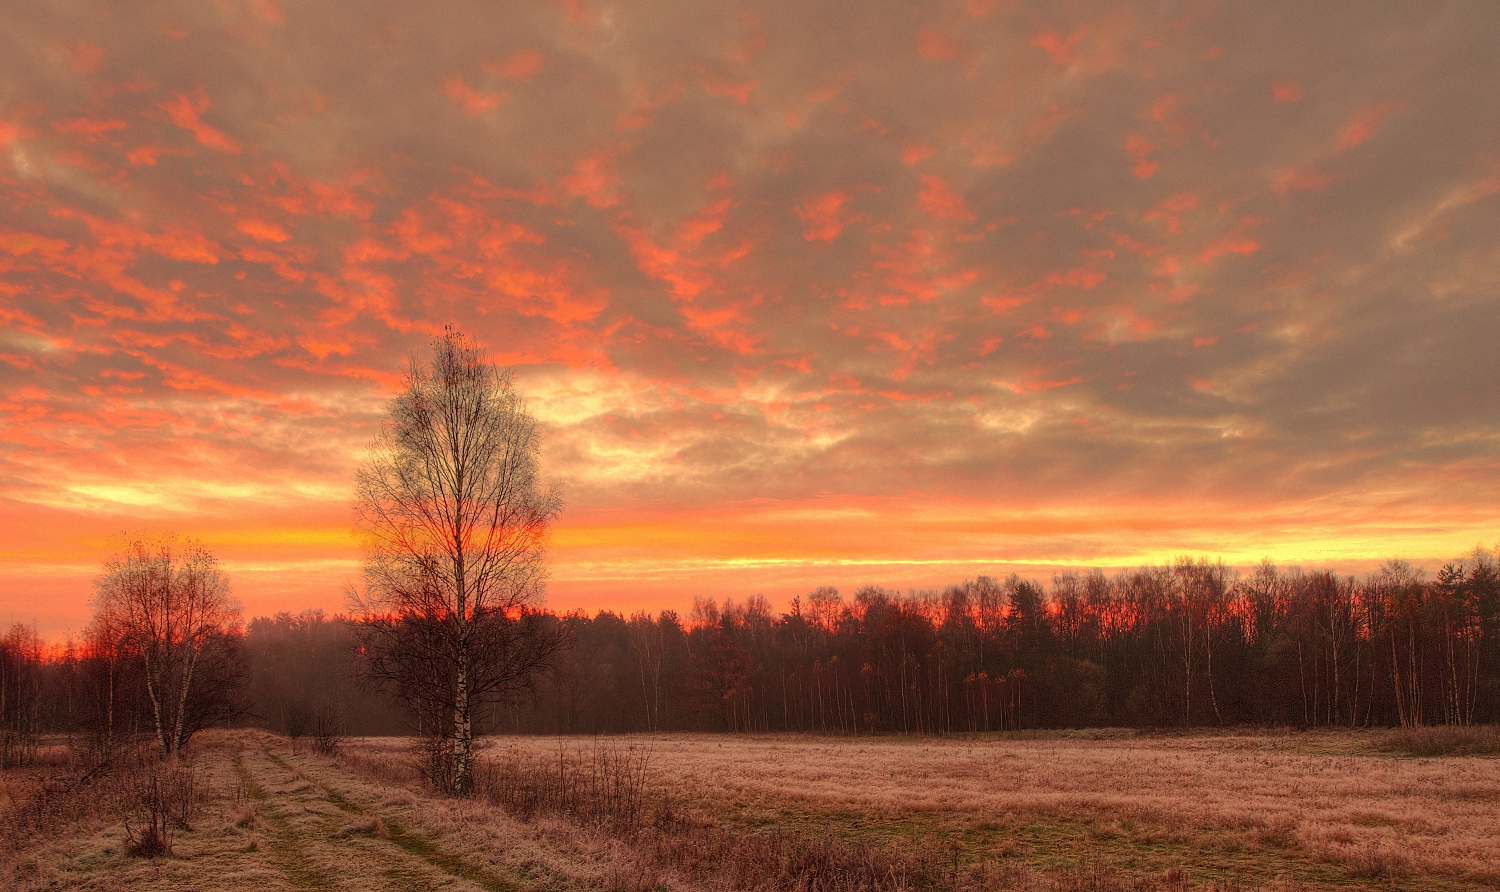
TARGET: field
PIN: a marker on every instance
(1062, 811)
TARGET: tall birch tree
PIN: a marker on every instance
(455, 518)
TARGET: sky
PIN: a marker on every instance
(803, 293)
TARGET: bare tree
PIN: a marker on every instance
(167, 601)
(455, 518)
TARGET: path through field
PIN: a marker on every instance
(276, 821)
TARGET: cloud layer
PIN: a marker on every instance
(803, 292)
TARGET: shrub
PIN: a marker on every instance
(1444, 740)
(328, 730)
(159, 800)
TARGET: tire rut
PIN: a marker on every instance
(288, 846)
(403, 844)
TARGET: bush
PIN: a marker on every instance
(1444, 740)
(159, 799)
(328, 730)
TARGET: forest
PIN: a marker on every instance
(1192, 644)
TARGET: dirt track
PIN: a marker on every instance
(275, 820)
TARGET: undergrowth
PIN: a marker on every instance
(1444, 740)
(152, 798)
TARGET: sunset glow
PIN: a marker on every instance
(803, 294)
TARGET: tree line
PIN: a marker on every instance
(1185, 645)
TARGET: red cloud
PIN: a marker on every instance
(185, 111)
(916, 154)
(1062, 50)
(145, 156)
(739, 91)
(1037, 385)
(1138, 148)
(261, 230)
(87, 58)
(1364, 124)
(821, 213)
(472, 101)
(938, 199)
(1086, 279)
(1229, 244)
(523, 66)
(592, 181)
(936, 46)
(1172, 208)
(186, 245)
(1293, 180)
(87, 128)
(1287, 91)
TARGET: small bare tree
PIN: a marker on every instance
(167, 601)
(454, 518)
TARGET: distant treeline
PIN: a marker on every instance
(1190, 644)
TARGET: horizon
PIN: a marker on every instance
(800, 297)
(655, 602)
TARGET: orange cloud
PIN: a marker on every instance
(269, 11)
(1365, 124)
(185, 111)
(1229, 244)
(1287, 91)
(1086, 279)
(522, 66)
(261, 230)
(739, 91)
(1292, 179)
(1062, 50)
(145, 156)
(593, 180)
(823, 216)
(87, 58)
(1138, 148)
(472, 101)
(936, 46)
(940, 200)
(1172, 208)
(87, 127)
(916, 154)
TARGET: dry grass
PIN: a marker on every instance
(1444, 740)
(602, 784)
(1258, 800)
(787, 813)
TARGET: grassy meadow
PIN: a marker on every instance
(1067, 811)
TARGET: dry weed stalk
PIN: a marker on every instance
(328, 730)
(605, 784)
